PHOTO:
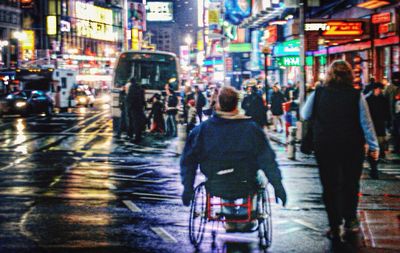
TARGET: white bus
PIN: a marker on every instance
(151, 69)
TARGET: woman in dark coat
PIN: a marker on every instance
(341, 125)
(277, 99)
(253, 106)
(136, 104)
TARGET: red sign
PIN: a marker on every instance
(380, 18)
(272, 34)
(343, 28)
(383, 28)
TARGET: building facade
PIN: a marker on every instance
(10, 23)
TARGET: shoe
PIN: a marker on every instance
(352, 226)
(333, 233)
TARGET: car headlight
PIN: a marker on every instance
(82, 100)
(20, 104)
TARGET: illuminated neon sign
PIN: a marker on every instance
(336, 28)
(94, 22)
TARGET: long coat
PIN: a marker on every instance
(135, 105)
(277, 99)
(254, 107)
(380, 112)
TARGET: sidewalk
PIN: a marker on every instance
(379, 206)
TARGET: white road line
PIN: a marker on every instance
(164, 235)
(134, 208)
(290, 230)
(18, 161)
(306, 224)
(163, 199)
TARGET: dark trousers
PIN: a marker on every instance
(200, 114)
(340, 170)
(122, 123)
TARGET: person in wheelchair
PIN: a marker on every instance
(233, 153)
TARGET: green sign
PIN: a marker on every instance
(293, 61)
(239, 48)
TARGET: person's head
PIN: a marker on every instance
(396, 78)
(378, 89)
(254, 89)
(228, 99)
(156, 97)
(196, 88)
(385, 82)
(191, 103)
(275, 88)
(372, 80)
(339, 75)
(166, 87)
(133, 82)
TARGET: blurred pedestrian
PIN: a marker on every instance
(122, 125)
(379, 108)
(254, 107)
(171, 110)
(277, 100)
(200, 100)
(157, 115)
(370, 86)
(192, 115)
(136, 104)
(392, 92)
(341, 124)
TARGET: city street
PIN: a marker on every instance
(67, 185)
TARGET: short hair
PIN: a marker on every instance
(228, 99)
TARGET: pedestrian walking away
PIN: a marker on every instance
(254, 107)
(136, 104)
(192, 115)
(380, 113)
(341, 125)
(277, 100)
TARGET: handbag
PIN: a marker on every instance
(307, 142)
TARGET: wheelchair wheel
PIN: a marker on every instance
(198, 215)
(265, 221)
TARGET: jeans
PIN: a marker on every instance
(171, 125)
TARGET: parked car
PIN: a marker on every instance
(84, 97)
(27, 102)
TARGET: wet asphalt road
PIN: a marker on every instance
(66, 185)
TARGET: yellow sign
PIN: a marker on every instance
(28, 45)
(94, 22)
(135, 39)
(51, 25)
(213, 16)
(200, 40)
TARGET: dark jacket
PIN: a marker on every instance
(201, 100)
(277, 99)
(157, 114)
(380, 112)
(135, 105)
(219, 144)
(253, 106)
(337, 117)
(172, 103)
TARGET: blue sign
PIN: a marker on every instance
(237, 10)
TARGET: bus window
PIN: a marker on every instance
(152, 71)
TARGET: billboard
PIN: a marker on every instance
(160, 11)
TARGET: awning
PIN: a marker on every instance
(261, 18)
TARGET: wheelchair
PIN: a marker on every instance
(230, 205)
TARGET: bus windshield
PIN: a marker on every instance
(151, 70)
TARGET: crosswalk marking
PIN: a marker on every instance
(164, 234)
(134, 208)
